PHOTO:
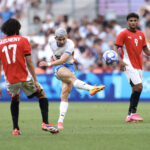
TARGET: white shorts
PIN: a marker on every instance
(134, 75)
(28, 87)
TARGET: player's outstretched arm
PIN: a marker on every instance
(146, 50)
(60, 61)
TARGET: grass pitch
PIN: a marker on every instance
(88, 126)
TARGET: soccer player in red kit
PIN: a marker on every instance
(15, 58)
(131, 61)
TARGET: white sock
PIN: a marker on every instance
(82, 85)
(63, 109)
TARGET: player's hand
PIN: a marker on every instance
(0, 92)
(43, 63)
(38, 87)
(122, 66)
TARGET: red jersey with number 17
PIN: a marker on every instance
(12, 55)
(134, 43)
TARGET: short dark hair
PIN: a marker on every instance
(134, 15)
(11, 27)
(36, 17)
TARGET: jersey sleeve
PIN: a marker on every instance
(70, 48)
(144, 41)
(27, 47)
(120, 39)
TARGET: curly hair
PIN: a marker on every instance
(11, 27)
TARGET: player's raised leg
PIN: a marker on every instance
(68, 77)
(66, 89)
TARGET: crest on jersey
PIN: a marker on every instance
(140, 37)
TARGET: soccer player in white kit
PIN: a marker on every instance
(63, 67)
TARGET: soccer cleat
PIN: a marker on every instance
(49, 128)
(16, 132)
(136, 117)
(96, 89)
(129, 119)
(133, 118)
(60, 125)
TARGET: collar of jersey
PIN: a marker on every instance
(132, 31)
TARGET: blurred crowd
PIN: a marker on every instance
(91, 37)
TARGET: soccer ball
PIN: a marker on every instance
(110, 57)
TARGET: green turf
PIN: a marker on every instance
(88, 126)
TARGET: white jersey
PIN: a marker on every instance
(58, 51)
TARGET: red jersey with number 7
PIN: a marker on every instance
(134, 43)
(12, 55)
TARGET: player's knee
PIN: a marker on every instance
(138, 88)
(41, 94)
(72, 79)
(69, 80)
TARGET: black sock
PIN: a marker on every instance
(134, 102)
(43, 102)
(14, 107)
